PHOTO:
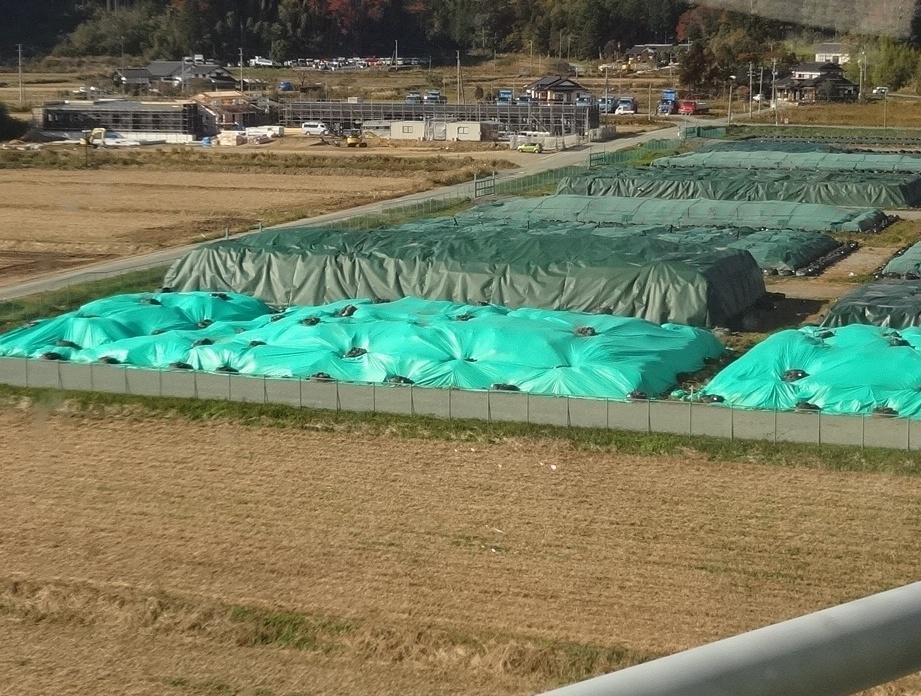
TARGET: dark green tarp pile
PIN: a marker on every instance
(411, 341)
(905, 265)
(550, 266)
(808, 161)
(865, 189)
(608, 210)
(848, 370)
(890, 303)
(770, 144)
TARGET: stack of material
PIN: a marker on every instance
(891, 303)
(411, 341)
(809, 161)
(231, 138)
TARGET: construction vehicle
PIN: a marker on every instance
(94, 138)
(354, 138)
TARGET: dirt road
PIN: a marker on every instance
(141, 554)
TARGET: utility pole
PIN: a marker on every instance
(885, 108)
(649, 100)
(531, 58)
(21, 96)
(751, 102)
(760, 89)
(241, 69)
(458, 78)
(569, 48)
(774, 91)
(862, 66)
(560, 54)
(732, 79)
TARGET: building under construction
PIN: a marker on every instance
(553, 119)
(170, 121)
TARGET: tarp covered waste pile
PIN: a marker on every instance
(565, 266)
(616, 210)
(890, 303)
(906, 265)
(866, 189)
(410, 341)
(810, 161)
(854, 369)
(770, 144)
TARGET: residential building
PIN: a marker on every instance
(650, 55)
(132, 80)
(832, 53)
(811, 82)
(556, 89)
(198, 71)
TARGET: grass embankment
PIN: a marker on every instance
(17, 311)
(438, 170)
(827, 457)
(894, 114)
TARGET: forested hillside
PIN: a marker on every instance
(285, 28)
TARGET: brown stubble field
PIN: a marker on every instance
(151, 555)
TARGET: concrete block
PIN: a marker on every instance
(76, 376)
(43, 374)
(395, 398)
(433, 402)
(752, 425)
(548, 410)
(109, 378)
(475, 405)
(631, 415)
(711, 420)
(588, 413)
(13, 372)
(798, 427)
(142, 382)
(357, 397)
(179, 384)
(891, 433)
(209, 385)
(842, 430)
(283, 391)
(321, 395)
(500, 406)
(250, 390)
(670, 417)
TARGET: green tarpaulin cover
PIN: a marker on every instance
(905, 265)
(550, 266)
(431, 344)
(854, 369)
(777, 215)
(866, 189)
(761, 144)
(814, 161)
(890, 303)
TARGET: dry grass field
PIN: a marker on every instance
(55, 214)
(146, 554)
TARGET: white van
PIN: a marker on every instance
(314, 128)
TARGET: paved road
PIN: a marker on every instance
(62, 279)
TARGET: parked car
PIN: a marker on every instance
(314, 128)
(413, 98)
(285, 86)
(625, 106)
(692, 107)
(607, 105)
(531, 147)
(881, 91)
(584, 100)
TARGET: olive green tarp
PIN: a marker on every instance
(866, 189)
(551, 266)
(906, 265)
(848, 370)
(410, 341)
(809, 161)
(890, 303)
(618, 210)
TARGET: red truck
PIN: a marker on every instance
(692, 107)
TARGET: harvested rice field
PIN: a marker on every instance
(150, 554)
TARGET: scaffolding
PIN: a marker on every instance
(552, 119)
(123, 116)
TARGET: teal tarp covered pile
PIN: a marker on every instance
(410, 341)
(551, 265)
(854, 369)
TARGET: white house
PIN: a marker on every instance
(832, 53)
